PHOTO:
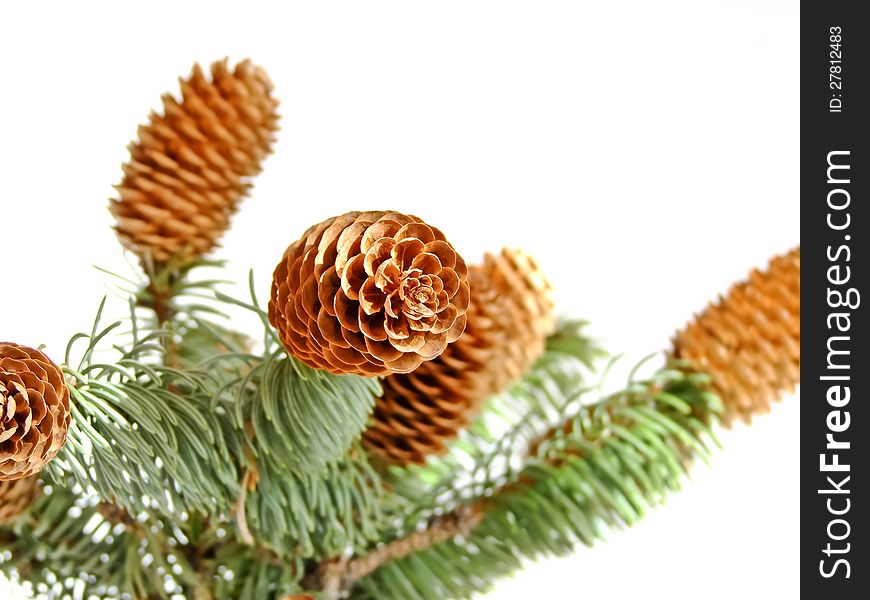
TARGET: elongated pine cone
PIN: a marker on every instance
(509, 319)
(369, 293)
(750, 340)
(191, 166)
(16, 496)
(34, 410)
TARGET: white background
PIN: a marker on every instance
(645, 152)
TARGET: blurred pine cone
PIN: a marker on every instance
(34, 410)
(191, 166)
(750, 340)
(369, 293)
(16, 496)
(509, 319)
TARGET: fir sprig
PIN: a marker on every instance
(145, 435)
(313, 491)
(301, 419)
(66, 547)
(601, 468)
(490, 451)
(238, 473)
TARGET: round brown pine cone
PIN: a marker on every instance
(369, 293)
(16, 496)
(750, 340)
(509, 319)
(191, 166)
(34, 410)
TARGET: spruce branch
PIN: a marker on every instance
(181, 302)
(492, 449)
(150, 437)
(309, 490)
(146, 435)
(261, 438)
(301, 419)
(63, 546)
(339, 574)
(186, 556)
(68, 543)
(308, 516)
(239, 474)
(199, 464)
(602, 467)
(158, 295)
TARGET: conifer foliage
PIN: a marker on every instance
(403, 426)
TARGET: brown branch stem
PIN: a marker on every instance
(157, 295)
(335, 576)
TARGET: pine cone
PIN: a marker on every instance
(16, 496)
(190, 167)
(34, 410)
(750, 340)
(369, 293)
(509, 318)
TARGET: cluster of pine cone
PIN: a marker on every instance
(385, 294)
(376, 293)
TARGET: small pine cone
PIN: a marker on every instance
(16, 496)
(750, 340)
(509, 319)
(191, 166)
(34, 410)
(369, 293)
